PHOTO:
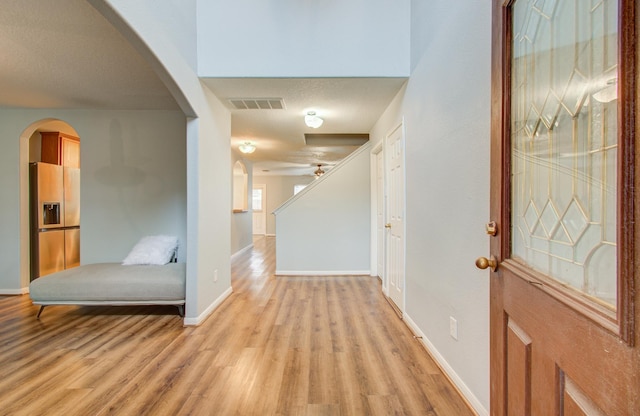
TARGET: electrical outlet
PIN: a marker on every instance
(215, 275)
(453, 328)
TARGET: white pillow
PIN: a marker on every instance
(155, 249)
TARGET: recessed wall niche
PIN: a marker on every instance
(240, 187)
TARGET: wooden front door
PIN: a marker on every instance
(564, 318)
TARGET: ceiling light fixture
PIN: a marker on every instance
(312, 120)
(247, 147)
(607, 93)
(319, 172)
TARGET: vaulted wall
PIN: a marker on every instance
(303, 38)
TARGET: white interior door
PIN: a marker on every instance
(380, 230)
(395, 244)
(259, 202)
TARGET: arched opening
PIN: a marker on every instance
(240, 187)
(53, 142)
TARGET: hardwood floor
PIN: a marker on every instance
(277, 346)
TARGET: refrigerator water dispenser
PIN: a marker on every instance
(51, 213)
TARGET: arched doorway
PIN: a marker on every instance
(240, 187)
(54, 142)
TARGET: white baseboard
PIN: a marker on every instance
(471, 398)
(204, 315)
(242, 250)
(22, 291)
(323, 273)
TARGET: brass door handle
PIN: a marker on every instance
(387, 225)
(483, 263)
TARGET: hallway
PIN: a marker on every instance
(334, 344)
(278, 345)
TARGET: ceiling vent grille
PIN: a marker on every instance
(257, 103)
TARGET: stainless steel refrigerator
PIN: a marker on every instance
(55, 218)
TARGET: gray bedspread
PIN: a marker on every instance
(112, 283)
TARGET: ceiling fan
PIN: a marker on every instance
(301, 169)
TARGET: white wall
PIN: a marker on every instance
(10, 209)
(325, 228)
(208, 221)
(133, 183)
(162, 36)
(279, 189)
(303, 39)
(208, 135)
(446, 110)
(175, 20)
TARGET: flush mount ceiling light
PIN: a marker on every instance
(609, 92)
(247, 147)
(312, 120)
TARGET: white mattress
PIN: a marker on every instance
(112, 283)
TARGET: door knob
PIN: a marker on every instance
(483, 263)
(387, 225)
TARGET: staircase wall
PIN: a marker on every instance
(325, 229)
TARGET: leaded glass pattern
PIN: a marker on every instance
(564, 142)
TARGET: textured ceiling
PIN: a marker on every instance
(347, 106)
(64, 54)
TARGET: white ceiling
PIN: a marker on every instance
(64, 54)
(347, 106)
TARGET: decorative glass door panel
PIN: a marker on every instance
(564, 149)
(564, 330)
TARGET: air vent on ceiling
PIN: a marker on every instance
(257, 103)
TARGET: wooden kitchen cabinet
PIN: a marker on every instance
(60, 149)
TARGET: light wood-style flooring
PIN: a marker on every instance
(277, 346)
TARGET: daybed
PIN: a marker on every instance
(112, 284)
(140, 280)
